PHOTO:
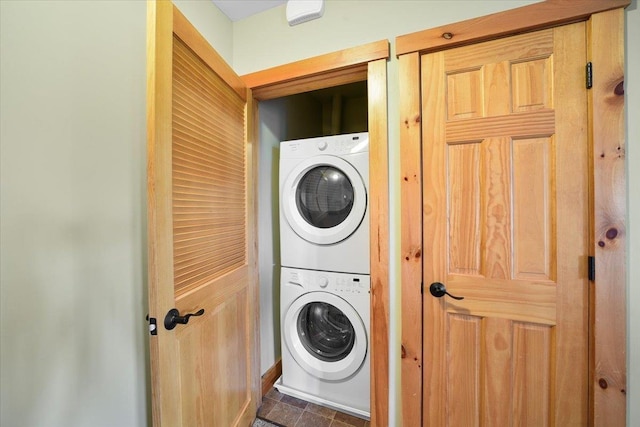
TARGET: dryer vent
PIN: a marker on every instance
(299, 11)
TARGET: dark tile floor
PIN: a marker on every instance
(291, 412)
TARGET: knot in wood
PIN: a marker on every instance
(619, 89)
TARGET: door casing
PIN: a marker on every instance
(367, 62)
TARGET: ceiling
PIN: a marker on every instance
(240, 9)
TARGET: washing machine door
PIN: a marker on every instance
(324, 199)
(325, 335)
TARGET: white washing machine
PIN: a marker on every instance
(325, 339)
(324, 215)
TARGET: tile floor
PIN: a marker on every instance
(292, 412)
(259, 422)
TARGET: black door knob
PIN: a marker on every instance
(438, 290)
(173, 318)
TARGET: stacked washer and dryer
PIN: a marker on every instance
(325, 282)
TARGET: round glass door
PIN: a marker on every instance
(324, 199)
(325, 332)
(324, 196)
(325, 335)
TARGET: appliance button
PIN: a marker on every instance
(322, 145)
(323, 282)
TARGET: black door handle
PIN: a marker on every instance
(173, 318)
(438, 290)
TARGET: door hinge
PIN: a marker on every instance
(153, 325)
(589, 72)
(592, 268)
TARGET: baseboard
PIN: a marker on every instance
(269, 378)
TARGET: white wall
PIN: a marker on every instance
(72, 186)
(272, 130)
(266, 40)
(211, 23)
(73, 296)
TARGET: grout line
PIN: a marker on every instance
(269, 421)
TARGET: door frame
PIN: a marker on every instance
(607, 244)
(361, 63)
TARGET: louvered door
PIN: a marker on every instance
(203, 372)
(506, 226)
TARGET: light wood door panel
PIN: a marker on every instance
(505, 223)
(204, 373)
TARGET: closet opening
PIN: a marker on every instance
(324, 112)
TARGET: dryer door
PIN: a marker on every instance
(325, 335)
(324, 199)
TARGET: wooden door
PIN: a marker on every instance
(505, 225)
(204, 372)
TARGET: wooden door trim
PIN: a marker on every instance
(608, 344)
(332, 69)
(605, 46)
(379, 241)
(364, 63)
(411, 236)
(251, 135)
(546, 14)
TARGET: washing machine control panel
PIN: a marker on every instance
(352, 285)
(339, 283)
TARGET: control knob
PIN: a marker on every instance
(323, 282)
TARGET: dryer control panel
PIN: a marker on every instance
(339, 145)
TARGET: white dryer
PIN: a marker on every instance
(324, 215)
(325, 339)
